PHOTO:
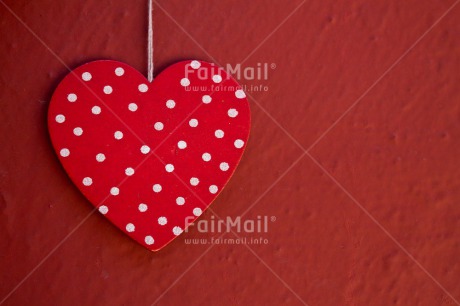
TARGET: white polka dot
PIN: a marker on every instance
(240, 94)
(213, 189)
(170, 104)
(217, 78)
(157, 188)
(180, 201)
(114, 191)
(197, 211)
(119, 71)
(158, 126)
(100, 157)
(108, 90)
(60, 118)
(239, 143)
(143, 87)
(181, 144)
(195, 64)
(162, 220)
(72, 97)
(193, 122)
(132, 107)
(118, 135)
(194, 181)
(78, 131)
(86, 76)
(224, 166)
(96, 110)
(129, 171)
(64, 152)
(103, 209)
(87, 181)
(232, 113)
(206, 99)
(185, 82)
(145, 149)
(130, 227)
(177, 230)
(206, 157)
(169, 168)
(142, 207)
(149, 240)
(219, 133)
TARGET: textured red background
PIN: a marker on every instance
(396, 154)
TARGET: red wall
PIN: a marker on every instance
(370, 216)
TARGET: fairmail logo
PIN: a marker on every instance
(259, 72)
(229, 224)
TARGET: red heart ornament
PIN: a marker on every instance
(150, 156)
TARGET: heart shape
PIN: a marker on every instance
(150, 156)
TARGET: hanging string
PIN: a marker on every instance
(150, 45)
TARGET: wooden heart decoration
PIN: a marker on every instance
(150, 156)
